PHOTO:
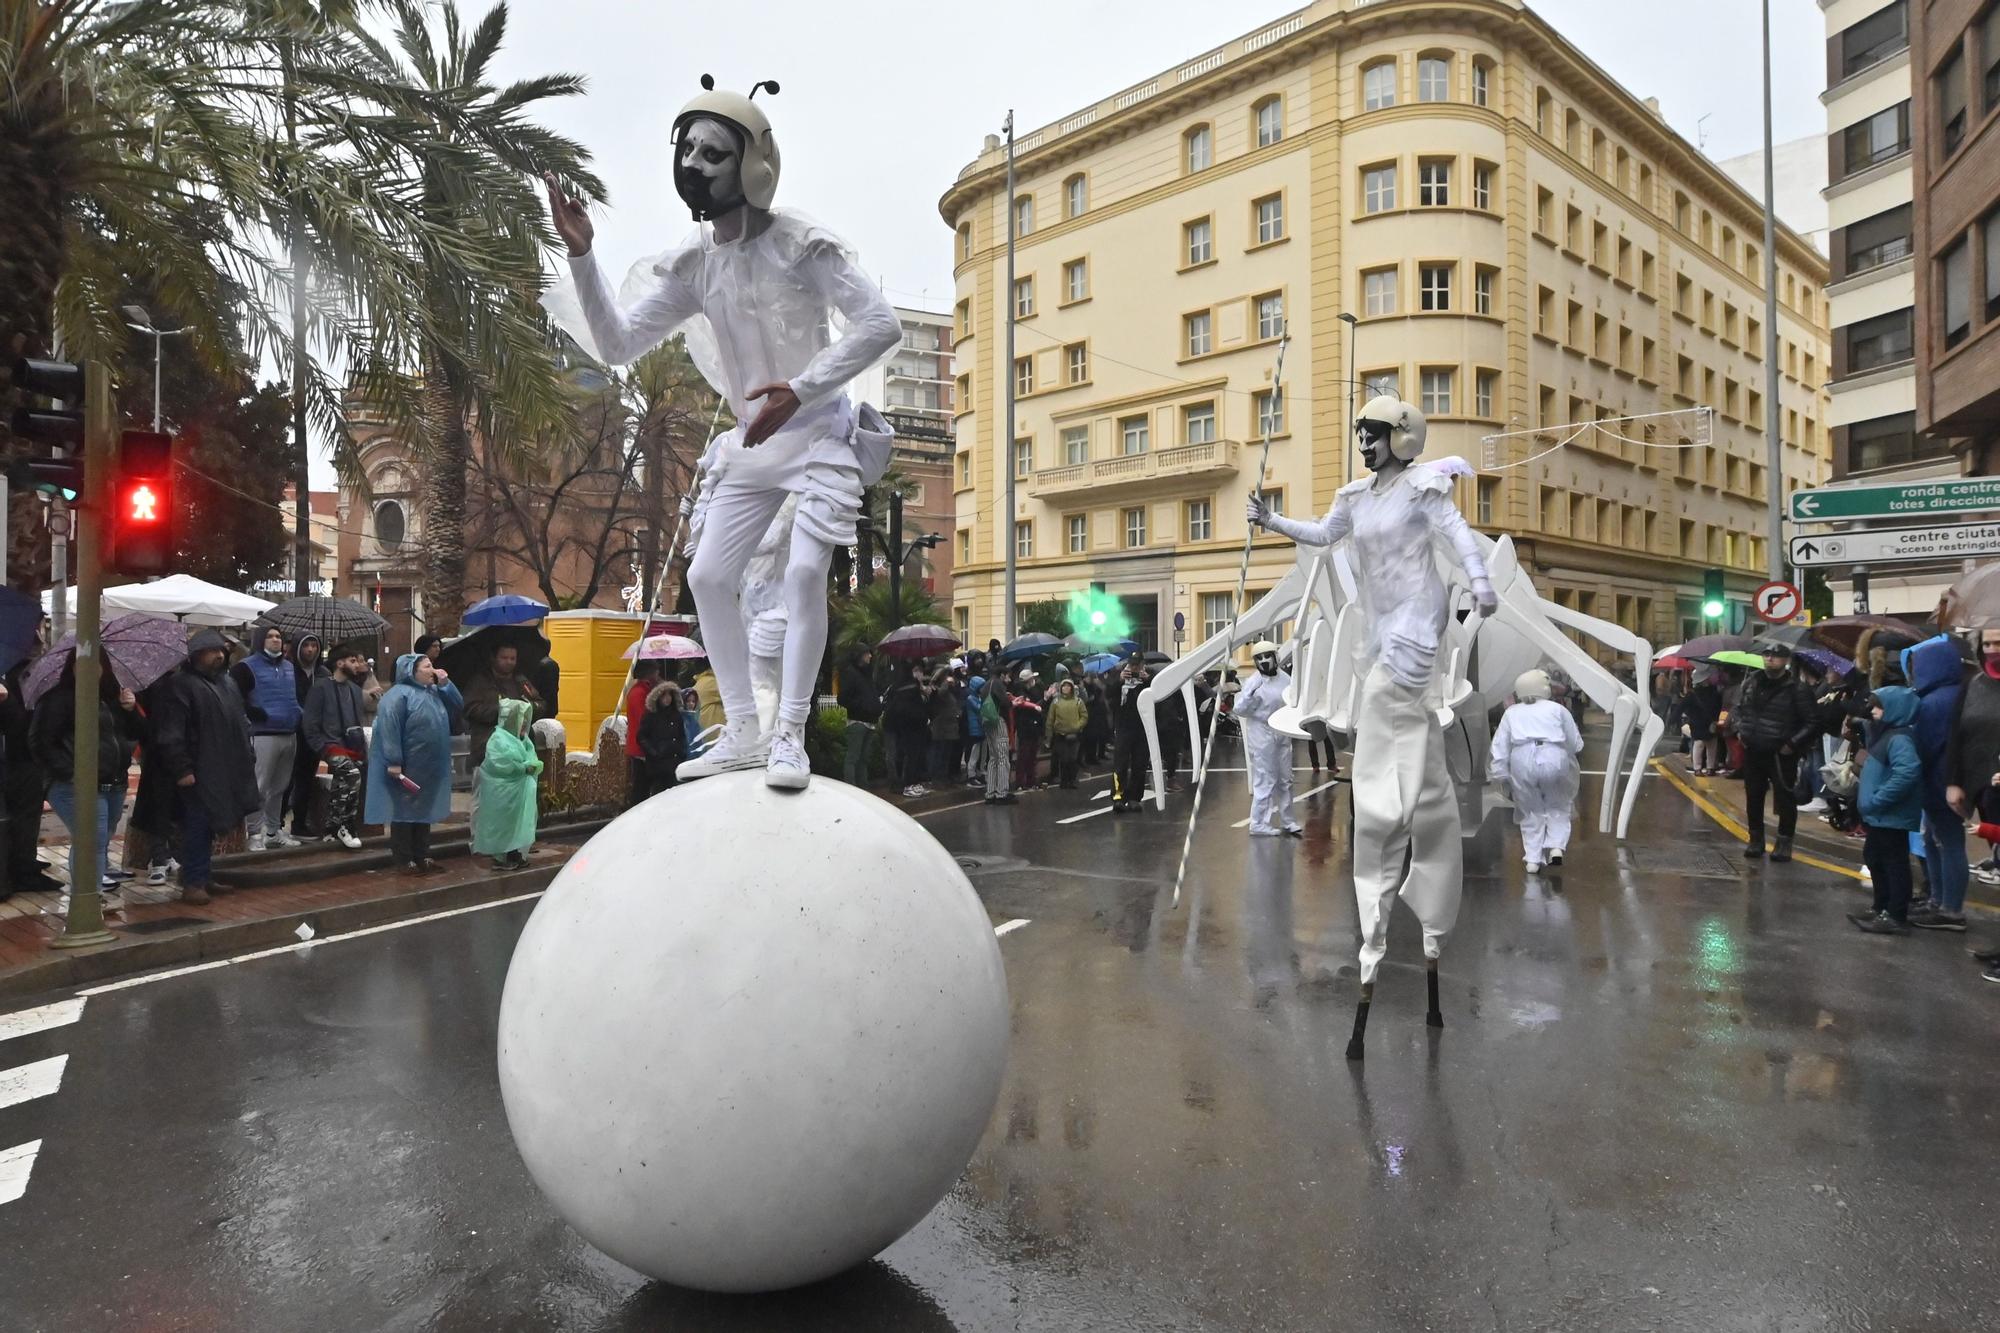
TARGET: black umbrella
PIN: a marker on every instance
(332, 619)
(918, 641)
(1157, 658)
(471, 653)
(1793, 637)
(1030, 645)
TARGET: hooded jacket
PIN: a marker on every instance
(1972, 756)
(1892, 793)
(1937, 674)
(1771, 714)
(505, 821)
(858, 694)
(201, 731)
(412, 732)
(663, 734)
(975, 695)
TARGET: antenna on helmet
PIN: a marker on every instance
(770, 84)
(708, 83)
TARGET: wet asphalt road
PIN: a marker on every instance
(1671, 1094)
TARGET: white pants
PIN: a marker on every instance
(1403, 803)
(275, 755)
(1543, 779)
(736, 520)
(1269, 754)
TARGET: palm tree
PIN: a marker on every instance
(863, 619)
(486, 356)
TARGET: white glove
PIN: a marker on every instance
(1255, 511)
(1489, 601)
(1687, 731)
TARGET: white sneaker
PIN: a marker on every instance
(1534, 867)
(739, 747)
(1812, 807)
(257, 842)
(280, 839)
(787, 768)
(347, 839)
(156, 875)
(1556, 857)
(1259, 831)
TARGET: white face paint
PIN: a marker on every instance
(709, 171)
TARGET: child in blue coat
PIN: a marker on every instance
(1892, 807)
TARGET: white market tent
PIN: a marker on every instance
(177, 597)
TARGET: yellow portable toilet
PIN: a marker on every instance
(589, 646)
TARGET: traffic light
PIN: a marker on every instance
(1712, 604)
(142, 510)
(58, 471)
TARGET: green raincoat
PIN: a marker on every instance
(506, 819)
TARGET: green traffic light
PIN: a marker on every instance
(1713, 610)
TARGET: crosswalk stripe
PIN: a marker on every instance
(15, 1165)
(30, 1021)
(1092, 814)
(24, 1083)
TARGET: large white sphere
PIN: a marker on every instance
(750, 1037)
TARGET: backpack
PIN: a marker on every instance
(1841, 774)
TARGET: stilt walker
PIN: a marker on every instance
(1406, 830)
(759, 293)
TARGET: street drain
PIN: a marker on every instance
(1693, 862)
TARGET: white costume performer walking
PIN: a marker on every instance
(1267, 751)
(1404, 803)
(757, 293)
(1534, 753)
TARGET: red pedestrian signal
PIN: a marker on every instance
(142, 511)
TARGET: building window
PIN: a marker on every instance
(1434, 183)
(1482, 185)
(1989, 52)
(1024, 539)
(391, 525)
(1024, 457)
(1024, 375)
(965, 241)
(1074, 196)
(1482, 83)
(1545, 213)
(964, 312)
(965, 469)
(1435, 389)
(1135, 526)
(1884, 135)
(1076, 280)
(1955, 284)
(1949, 91)
(1024, 297)
(1270, 315)
(1875, 38)
(1485, 388)
(1482, 291)
(1270, 121)
(1881, 341)
(962, 615)
(1270, 407)
(1075, 445)
(1200, 149)
(1076, 533)
(1270, 219)
(1573, 134)
(1889, 442)
(1199, 236)
(1882, 239)
(1381, 383)
(964, 549)
(1198, 424)
(1216, 613)
(1197, 339)
(1076, 363)
(1200, 520)
(1544, 113)
(1024, 214)
(1378, 189)
(1133, 433)
(1433, 79)
(1378, 288)
(1434, 286)
(1378, 86)
(1991, 230)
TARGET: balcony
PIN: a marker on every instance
(1135, 474)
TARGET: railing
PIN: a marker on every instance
(1125, 470)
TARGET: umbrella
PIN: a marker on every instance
(1672, 663)
(1794, 637)
(188, 599)
(471, 654)
(1827, 661)
(1084, 643)
(1030, 645)
(918, 641)
(1672, 651)
(1099, 663)
(509, 608)
(332, 619)
(662, 648)
(1708, 645)
(140, 649)
(1843, 633)
(1736, 657)
(1157, 658)
(19, 618)
(1974, 601)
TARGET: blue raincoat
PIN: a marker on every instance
(413, 730)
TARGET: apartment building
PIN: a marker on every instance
(914, 390)
(1522, 243)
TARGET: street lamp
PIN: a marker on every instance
(139, 321)
(895, 550)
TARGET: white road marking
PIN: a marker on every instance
(1310, 791)
(15, 1165)
(30, 1021)
(1006, 926)
(1092, 814)
(24, 1083)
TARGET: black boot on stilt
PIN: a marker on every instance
(1435, 1018)
(1354, 1043)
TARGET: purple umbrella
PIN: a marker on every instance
(1825, 661)
(140, 649)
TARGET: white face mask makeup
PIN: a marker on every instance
(708, 169)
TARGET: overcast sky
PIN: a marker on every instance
(883, 101)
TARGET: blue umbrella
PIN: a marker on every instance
(19, 618)
(508, 608)
(1031, 645)
(1100, 663)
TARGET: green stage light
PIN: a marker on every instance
(1098, 617)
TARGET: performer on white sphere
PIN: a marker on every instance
(757, 291)
(1404, 803)
(1267, 751)
(1534, 754)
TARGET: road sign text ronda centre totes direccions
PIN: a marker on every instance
(1918, 500)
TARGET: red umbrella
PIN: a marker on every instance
(1674, 662)
(918, 641)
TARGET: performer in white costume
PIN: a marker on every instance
(1534, 754)
(1404, 803)
(757, 292)
(1267, 751)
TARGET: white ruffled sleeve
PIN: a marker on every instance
(873, 327)
(658, 299)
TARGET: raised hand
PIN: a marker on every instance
(1255, 511)
(780, 403)
(571, 222)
